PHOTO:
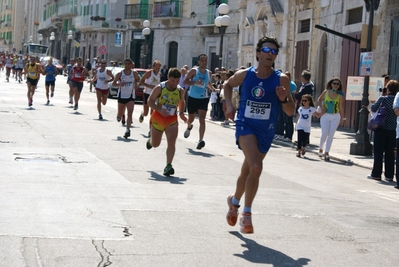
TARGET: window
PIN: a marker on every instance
(97, 9)
(105, 10)
(354, 15)
(304, 26)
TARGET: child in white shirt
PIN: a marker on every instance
(304, 122)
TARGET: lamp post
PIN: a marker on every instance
(222, 22)
(70, 45)
(362, 145)
(146, 33)
(30, 39)
(52, 38)
(40, 38)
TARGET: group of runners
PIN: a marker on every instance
(264, 91)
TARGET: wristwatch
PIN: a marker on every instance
(285, 100)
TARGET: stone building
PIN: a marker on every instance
(325, 54)
(180, 31)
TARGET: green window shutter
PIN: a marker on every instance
(97, 9)
(105, 11)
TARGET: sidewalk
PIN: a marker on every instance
(340, 147)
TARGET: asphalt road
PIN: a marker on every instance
(74, 192)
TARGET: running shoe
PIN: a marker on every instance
(168, 170)
(149, 133)
(127, 134)
(246, 223)
(232, 214)
(48, 102)
(100, 117)
(148, 144)
(123, 119)
(141, 118)
(30, 103)
(187, 131)
(75, 107)
(52, 94)
(201, 144)
(118, 119)
(70, 101)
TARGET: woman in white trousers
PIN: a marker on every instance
(331, 102)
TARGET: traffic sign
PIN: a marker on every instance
(366, 61)
(354, 88)
(102, 50)
(77, 44)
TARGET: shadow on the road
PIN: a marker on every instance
(121, 138)
(257, 253)
(76, 113)
(198, 153)
(171, 179)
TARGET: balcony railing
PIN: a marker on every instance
(83, 21)
(168, 9)
(138, 11)
(67, 8)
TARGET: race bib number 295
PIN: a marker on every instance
(257, 110)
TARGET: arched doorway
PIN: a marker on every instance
(173, 49)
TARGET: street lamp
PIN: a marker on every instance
(30, 39)
(222, 21)
(40, 38)
(52, 38)
(362, 145)
(146, 33)
(70, 44)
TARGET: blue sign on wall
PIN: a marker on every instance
(118, 39)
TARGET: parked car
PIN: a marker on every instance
(113, 91)
(56, 63)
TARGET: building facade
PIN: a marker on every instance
(181, 30)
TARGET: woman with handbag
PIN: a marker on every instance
(385, 138)
(332, 106)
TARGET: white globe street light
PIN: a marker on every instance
(70, 37)
(52, 38)
(146, 33)
(40, 38)
(222, 22)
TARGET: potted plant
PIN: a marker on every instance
(118, 19)
(105, 24)
(37, 23)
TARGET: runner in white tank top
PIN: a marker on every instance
(150, 79)
(127, 81)
(103, 76)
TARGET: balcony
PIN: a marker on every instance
(109, 25)
(137, 12)
(50, 23)
(67, 11)
(83, 22)
(168, 9)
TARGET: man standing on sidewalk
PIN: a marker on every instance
(263, 91)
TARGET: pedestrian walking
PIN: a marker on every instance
(304, 123)
(332, 104)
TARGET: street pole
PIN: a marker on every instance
(222, 31)
(362, 146)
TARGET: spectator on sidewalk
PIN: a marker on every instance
(307, 87)
(332, 103)
(395, 84)
(384, 138)
(304, 123)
